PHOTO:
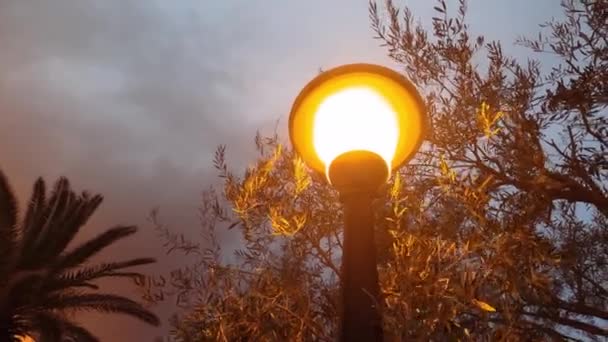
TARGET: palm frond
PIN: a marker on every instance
(8, 223)
(79, 334)
(35, 235)
(83, 252)
(62, 232)
(35, 208)
(42, 281)
(48, 326)
(60, 211)
(50, 226)
(66, 210)
(90, 205)
(19, 287)
(102, 303)
(52, 327)
(76, 332)
(83, 276)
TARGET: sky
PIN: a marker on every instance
(130, 98)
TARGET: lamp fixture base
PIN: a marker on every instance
(358, 171)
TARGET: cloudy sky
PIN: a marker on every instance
(130, 97)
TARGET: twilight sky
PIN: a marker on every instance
(129, 98)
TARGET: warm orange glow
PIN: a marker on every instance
(357, 107)
(25, 339)
(355, 118)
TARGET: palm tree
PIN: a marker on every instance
(40, 282)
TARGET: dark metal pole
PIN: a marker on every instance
(357, 175)
(361, 318)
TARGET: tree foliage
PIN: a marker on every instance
(497, 230)
(41, 282)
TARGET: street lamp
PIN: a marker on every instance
(356, 124)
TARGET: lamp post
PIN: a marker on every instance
(356, 124)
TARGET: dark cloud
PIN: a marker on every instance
(125, 98)
(129, 98)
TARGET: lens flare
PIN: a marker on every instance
(356, 118)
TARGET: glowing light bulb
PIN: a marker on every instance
(356, 118)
